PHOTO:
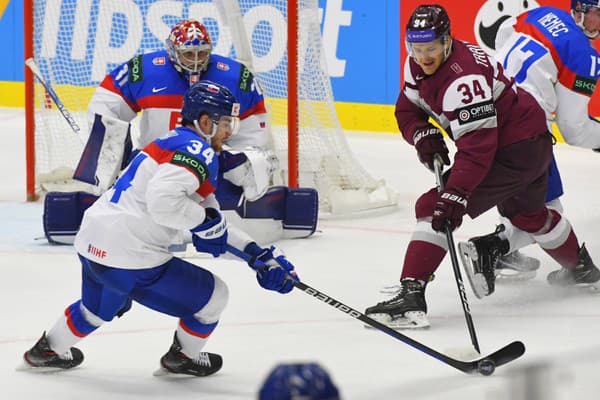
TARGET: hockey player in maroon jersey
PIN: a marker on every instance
(503, 153)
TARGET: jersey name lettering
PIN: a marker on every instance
(479, 55)
(553, 24)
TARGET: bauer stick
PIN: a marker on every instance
(485, 365)
(437, 167)
(30, 62)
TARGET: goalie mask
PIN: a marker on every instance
(584, 7)
(429, 24)
(189, 47)
(214, 100)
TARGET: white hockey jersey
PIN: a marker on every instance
(550, 56)
(163, 191)
(150, 84)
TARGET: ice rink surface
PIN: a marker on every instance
(349, 259)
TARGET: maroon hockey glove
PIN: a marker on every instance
(449, 210)
(429, 142)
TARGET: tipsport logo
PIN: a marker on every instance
(112, 32)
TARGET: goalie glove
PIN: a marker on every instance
(279, 274)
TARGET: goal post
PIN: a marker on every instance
(76, 42)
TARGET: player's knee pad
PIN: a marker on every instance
(425, 204)
(212, 310)
(63, 213)
(297, 208)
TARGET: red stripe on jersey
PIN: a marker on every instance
(162, 156)
(205, 189)
(565, 76)
(109, 85)
(162, 101)
(193, 333)
(71, 325)
(259, 108)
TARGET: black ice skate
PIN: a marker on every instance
(175, 362)
(516, 266)
(479, 258)
(405, 310)
(42, 357)
(584, 274)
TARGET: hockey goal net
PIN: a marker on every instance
(76, 42)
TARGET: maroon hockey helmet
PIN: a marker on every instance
(427, 23)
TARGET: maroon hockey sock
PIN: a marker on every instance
(421, 260)
(567, 253)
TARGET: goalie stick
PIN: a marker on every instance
(437, 167)
(485, 365)
(30, 62)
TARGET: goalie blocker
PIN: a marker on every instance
(286, 212)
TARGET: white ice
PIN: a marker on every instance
(349, 259)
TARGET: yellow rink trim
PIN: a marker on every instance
(352, 116)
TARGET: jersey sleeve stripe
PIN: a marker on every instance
(259, 108)
(109, 85)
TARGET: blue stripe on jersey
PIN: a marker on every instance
(569, 42)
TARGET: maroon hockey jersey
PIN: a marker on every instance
(480, 108)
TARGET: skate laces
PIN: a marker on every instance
(203, 359)
(405, 287)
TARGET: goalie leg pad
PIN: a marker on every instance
(107, 150)
(63, 213)
(298, 209)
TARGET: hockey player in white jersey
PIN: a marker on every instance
(549, 53)
(124, 238)
(153, 85)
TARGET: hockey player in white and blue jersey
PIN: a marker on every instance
(124, 237)
(548, 52)
(153, 85)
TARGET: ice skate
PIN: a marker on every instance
(479, 258)
(584, 274)
(177, 363)
(406, 310)
(516, 266)
(42, 358)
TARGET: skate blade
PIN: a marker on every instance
(166, 374)
(506, 275)
(26, 367)
(411, 320)
(468, 253)
(526, 264)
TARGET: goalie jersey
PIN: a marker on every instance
(163, 191)
(150, 83)
(550, 57)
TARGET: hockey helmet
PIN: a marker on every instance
(586, 5)
(206, 97)
(427, 23)
(189, 47)
(306, 381)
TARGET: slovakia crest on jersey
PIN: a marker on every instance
(222, 66)
(159, 61)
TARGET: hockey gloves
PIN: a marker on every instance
(211, 235)
(279, 272)
(429, 141)
(449, 209)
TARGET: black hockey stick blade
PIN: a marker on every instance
(485, 365)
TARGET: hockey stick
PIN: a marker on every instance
(437, 166)
(61, 107)
(484, 366)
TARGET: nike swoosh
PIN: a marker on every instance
(419, 77)
(156, 90)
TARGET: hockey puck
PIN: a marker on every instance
(486, 366)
